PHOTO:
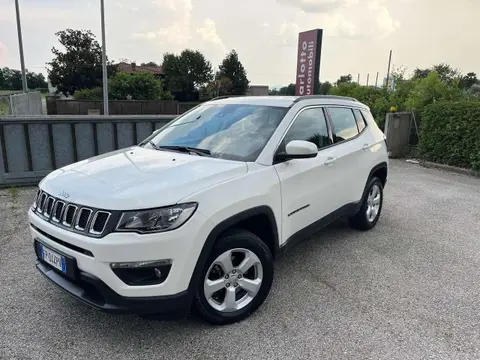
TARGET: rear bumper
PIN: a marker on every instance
(95, 293)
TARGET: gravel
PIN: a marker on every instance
(406, 290)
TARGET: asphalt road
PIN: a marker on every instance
(409, 289)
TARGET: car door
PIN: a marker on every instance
(308, 186)
(351, 153)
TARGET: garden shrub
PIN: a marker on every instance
(450, 133)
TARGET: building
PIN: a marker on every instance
(257, 90)
(132, 68)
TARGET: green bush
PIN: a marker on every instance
(89, 94)
(138, 86)
(450, 133)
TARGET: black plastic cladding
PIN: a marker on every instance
(109, 227)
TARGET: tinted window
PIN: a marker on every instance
(367, 115)
(229, 131)
(360, 120)
(310, 125)
(344, 123)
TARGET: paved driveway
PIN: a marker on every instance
(409, 289)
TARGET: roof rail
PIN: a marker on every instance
(220, 97)
(226, 97)
(307, 97)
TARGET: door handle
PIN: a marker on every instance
(366, 147)
(330, 161)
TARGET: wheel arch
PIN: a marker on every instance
(245, 217)
(380, 171)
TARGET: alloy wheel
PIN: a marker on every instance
(233, 280)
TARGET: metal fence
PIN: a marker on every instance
(25, 104)
(32, 147)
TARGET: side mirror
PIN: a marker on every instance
(298, 149)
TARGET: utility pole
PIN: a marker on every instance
(376, 80)
(368, 78)
(358, 79)
(20, 47)
(388, 71)
(104, 61)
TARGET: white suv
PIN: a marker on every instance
(195, 215)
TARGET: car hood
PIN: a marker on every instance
(136, 178)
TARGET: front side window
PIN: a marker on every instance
(344, 123)
(228, 131)
(310, 125)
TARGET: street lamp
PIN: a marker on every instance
(20, 47)
(104, 61)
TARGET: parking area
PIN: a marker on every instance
(409, 289)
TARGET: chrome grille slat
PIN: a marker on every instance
(41, 204)
(71, 216)
(94, 222)
(48, 207)
(79, 218)
(59, 204)
(65, 222)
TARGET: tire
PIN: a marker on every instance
(208, 304)
(361, 220)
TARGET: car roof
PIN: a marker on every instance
(283, 101)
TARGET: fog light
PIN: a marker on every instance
(142, 272)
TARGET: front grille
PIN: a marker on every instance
(70, 216)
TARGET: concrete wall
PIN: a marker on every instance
(116, 107)
(26, 104)
(32, 147)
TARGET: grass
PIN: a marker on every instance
(13, 191)
(3, 107)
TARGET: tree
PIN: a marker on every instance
(186, 73)
(467, 81)
(231, 68)
(446, 73)
(125, 86)
(430, 90)
(137, 86)
(344, 79)
(325, 88)
(80, 66)
(11, 79)
(150, 63)
(420, 73)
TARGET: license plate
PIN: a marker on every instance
(52, 258)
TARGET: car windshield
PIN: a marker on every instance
(228, 131)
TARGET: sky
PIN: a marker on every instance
(358, 34)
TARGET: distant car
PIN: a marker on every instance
(195, 215)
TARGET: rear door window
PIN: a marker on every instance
(344, 123)
(360, 120)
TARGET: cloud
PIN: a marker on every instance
(209, 33)
(385, 24)
(318, 6)
(288, 34)
(334, 25)
(3, 53)
(179, 32)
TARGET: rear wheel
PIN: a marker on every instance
(371, 208)
(236, 279)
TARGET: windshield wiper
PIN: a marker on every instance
(153, 144)
(201, 152)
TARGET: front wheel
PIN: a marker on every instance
(371, 207)
(236, 279)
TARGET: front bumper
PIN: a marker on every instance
(96, 284)
(95, 293)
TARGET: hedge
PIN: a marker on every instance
(450, 133)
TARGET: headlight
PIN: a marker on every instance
(156, 220)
